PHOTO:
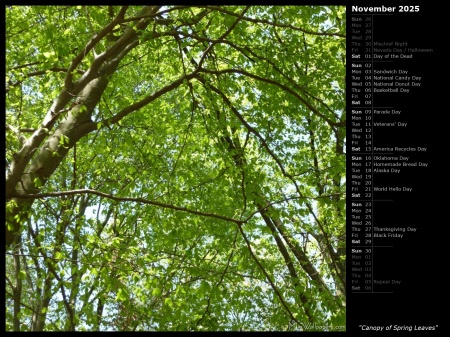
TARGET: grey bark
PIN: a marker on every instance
(75, 123)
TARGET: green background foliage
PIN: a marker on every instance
(175, 167)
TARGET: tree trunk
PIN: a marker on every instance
(72, 128)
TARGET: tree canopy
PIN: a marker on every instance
(175, 167)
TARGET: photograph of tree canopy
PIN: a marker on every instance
(175, 168)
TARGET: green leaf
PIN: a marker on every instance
(48, 54)
(121, 295)
(22, 275)
(156, 292)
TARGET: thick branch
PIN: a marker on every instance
(140, 200)
(138, 105)
(224, 35)
(288, 261)
(276, 83)
(266, 274)
(91, 44)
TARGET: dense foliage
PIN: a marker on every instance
(175, 168)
